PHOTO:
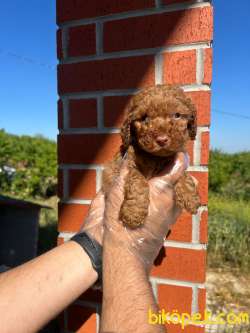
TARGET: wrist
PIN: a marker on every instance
(125, 255)
(83, 262)
(94, 251)
(95, 231)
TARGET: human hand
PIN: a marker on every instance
(145, 241)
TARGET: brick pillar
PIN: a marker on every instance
(107, 51)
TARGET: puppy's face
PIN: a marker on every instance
(164, 129)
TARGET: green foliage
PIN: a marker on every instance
(229, 232)
(229, 174)
(34, 159)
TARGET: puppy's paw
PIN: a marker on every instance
(192, 203)
(186, 194)
(131, 215)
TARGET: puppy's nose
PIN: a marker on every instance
(162, 140)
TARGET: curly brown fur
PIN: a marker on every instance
(186, 194)
(160, 120)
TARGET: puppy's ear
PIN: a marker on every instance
(134, 112)
(126, 131)
(192, 123)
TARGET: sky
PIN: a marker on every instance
(28, 87)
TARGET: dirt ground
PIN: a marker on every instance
(228, 290)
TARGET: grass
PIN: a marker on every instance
(229, 233)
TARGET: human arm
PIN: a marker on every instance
(35, 292)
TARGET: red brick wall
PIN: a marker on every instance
(107, 51)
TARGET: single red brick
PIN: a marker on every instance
(182, 229)
(177, 27)
(59, 49)
(71, 216)
(60, 114)
(204, 148)
(81, 319)
(60, 119)
(172, 328)
(171, 298)
(203, 227)
(114, 110)
(202, 101)
(87, 148)
(106, 74)
(208, 62)
(82, 184)
(68, 10)
(179, 67)
(60, 183)
(82, 40)
(92, 295)
(182, 264)
(82, 113)
(202, 178)
(201, 301)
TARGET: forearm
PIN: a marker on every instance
(127, 293)
(35, 292)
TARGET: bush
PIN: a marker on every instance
(28, 166)
(229, 174)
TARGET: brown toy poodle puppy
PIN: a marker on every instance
(160, 120)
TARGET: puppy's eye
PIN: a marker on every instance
(177, 115)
